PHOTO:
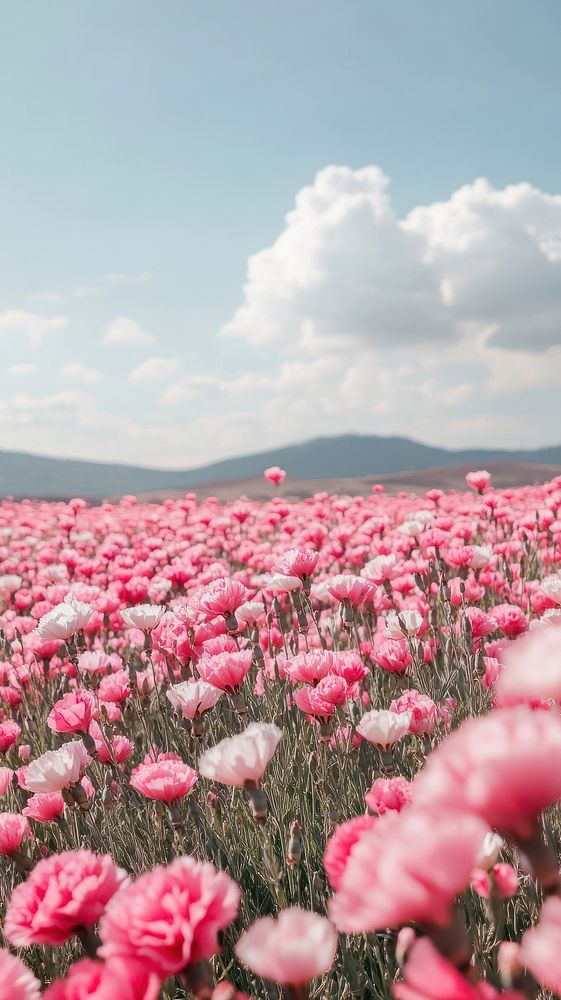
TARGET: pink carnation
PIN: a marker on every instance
(125, 979)
(62, 893)
(170, 916)
(429, 976)
(408, 867)
(478, 481)
(340, 846)
(9, 732)
(510, 620)
(309, 668)
(226, 671)
(503, 766)
(356, 590)
(388, 795)
(17, 982)
(539, 949)
(274, 475)
(293, 949)
(191, 699)
(57, 769)
(165, 780)
(72, 713)
(300, 563)
(221, 597)
(44, 807)
(13, 829)
(424, 713)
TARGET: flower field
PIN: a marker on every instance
(306, 749)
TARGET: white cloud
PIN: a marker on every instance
(128, 279)
(30, 325)
(49, 298)
(155, 370)
(79, 372)
(123, 330)
(22, 369)
(345, 266)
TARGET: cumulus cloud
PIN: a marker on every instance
(155, 370)
(76, 371)
(30, 325)
(123, 330)
(347, 267)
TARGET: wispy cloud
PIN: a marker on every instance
(77, 371)
(30, 325)
(124, 330)
(108, 282)
(22, 369)
(155, 370)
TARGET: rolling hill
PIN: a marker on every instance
(345, 457)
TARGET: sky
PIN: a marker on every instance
(230, 226)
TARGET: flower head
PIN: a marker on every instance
(293, 949)
(191, 699)
(165, 780)
(13, 829)
(143, 616)
(241, 758)
(125, 979)
(57, 769)
(408, 867)
(17, 982)
(502, 766)
(62, 893)
(170, 916)
(383, 729)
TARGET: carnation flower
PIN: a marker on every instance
(241, 758)
(293, 949)
(165, 780)
(400, 623)
(274, 475)
(62, 894)
(57, 769)
(503, 766)
(44, 807)
(383, 728)
(13, 829)
(408, 867)
(226, 671)
(170, 916)
(72, 713)
(143, 616)
(191, 699)
(63, 621)
(388, 795)
(17, 982)
(340, 846)
(125, 979)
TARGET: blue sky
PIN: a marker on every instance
(151, 149)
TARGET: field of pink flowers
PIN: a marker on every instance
(278, 749)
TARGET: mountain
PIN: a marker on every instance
(345, 457)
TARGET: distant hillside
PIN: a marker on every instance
(346, 457)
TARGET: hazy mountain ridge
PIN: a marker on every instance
(342, 457)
